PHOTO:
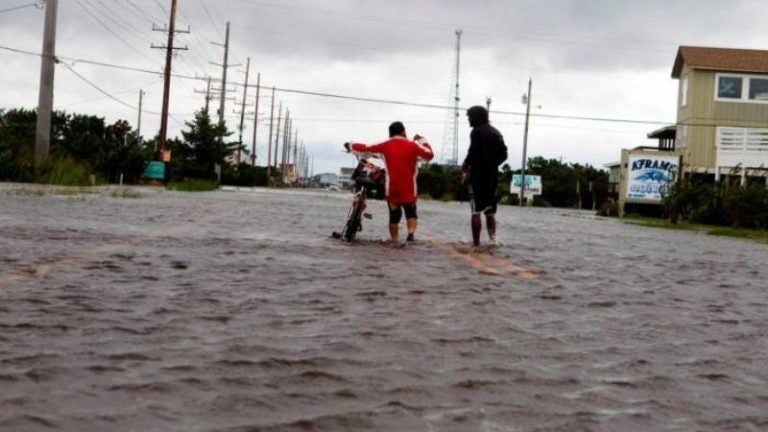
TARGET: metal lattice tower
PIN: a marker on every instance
(450, 150)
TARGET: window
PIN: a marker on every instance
(758, 89)
(741, 88)
(729, 87)
(684, 92)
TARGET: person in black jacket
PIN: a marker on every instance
(481, 169)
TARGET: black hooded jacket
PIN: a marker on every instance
(486, 148)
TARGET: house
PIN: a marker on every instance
(345, 177)
(326, 180)
(722, 112)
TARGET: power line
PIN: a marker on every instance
(132, 11)
(110, 15)
(19, 7)
(162, 8)
(369, 99)
(196, 62)
(130, 28)
(196, 34)
(113, 97)
(210, 18)
(109, 29)
(84, 101)
(141, 11)
(99, 89)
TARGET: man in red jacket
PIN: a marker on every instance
(400, 157)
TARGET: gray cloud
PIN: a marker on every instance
(587, 57)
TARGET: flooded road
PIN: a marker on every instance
(235, 311)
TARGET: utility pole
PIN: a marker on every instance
(269, 141)
(224, 67)
(208, 97)
(277, 132)
(167, 83)
(286, 143)
(45, 96)
(207, 94)
(138, 123)
(242, 110)
(295, 149)
(526, 100)
(256, 119)
(488, 104)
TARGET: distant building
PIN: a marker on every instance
(721, 129)
(722, 112)
(614, 173)
(326, 180)
(345, 177)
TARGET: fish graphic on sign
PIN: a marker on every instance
(653, 175)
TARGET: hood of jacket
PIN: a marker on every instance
(478, 115)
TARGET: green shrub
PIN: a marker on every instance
(719, 204)
(539, 201)
(745, 206)
(610, 208)
(194, 185)
(244, 175)
(64, 172)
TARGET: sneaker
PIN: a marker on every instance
(410, 238)
(494, 242)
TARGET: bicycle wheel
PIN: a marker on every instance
(355, 217)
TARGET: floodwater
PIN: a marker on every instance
(235, 311)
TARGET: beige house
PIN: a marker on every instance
(722, 115)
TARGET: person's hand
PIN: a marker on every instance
(347, 146)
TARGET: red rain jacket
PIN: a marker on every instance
(400, 157)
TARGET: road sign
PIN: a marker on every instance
(532, 184)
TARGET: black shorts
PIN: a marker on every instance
(396, 212)
(482, 198)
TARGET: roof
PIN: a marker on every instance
(720, 59)
(666, 132)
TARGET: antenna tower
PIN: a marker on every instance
(450, 150)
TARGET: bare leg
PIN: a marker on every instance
(477, 226)
(490, 222)
(394, 232)
(411, 225)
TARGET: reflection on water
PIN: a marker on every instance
(235, 311)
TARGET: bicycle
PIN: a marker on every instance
(368, 183)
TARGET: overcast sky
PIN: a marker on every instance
(604, 59)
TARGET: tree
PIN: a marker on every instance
(17, 144)
(208, 148)
(571, 185)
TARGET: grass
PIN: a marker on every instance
(194, 186)
(25, 192)
(73, 192)
(742, 233)
(64, 172)
(69, 191)
(125, 193)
